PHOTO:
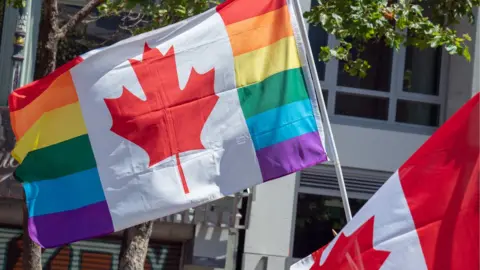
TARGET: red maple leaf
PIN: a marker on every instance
(354, 252)
(170, 120)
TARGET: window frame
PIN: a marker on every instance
(333, 193)
(396, 92)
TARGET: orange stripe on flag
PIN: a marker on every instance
(260, 31)
(60, 93)
(233, 11)
(23, 96)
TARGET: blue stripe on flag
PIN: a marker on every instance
(281, 124)
(64, 193)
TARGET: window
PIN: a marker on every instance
(319, 206)
(379, 75)
(402, 90)
(317, 216)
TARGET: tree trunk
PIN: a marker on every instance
(50, 55)
(32, 253)
(136, 246)
(48, 60)
(48, 39)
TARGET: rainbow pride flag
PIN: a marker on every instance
(165, 121)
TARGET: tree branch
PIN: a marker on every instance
(50, 13)
(79, 16)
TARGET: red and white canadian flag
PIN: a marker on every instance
(426, 216)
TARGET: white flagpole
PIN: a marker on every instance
(323, 110)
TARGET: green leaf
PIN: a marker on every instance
(451, 48)
(337, 18)
(416, 8)
(323, 19)
(325, 54)
(466, 53)
(467, 37)
(17, 3)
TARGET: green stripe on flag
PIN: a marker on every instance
(275, 91)
(68, 157)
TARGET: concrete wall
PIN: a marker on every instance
(210, 246)
(476, 55)
(268, 239)
(374, 149)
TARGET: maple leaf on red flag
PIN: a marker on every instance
(171, 119)
(353, 252)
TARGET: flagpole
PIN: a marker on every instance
(323, 110)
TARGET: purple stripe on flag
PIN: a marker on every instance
(290, 156)
(53, 230)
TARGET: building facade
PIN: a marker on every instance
(378, 122)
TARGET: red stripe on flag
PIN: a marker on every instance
(233, 11)
(441, 185)
(23, 96)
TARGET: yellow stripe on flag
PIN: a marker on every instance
(257, 32)
(53, 127)
(256, 66)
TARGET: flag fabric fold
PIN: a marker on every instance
(167, 120)
(426, 216)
